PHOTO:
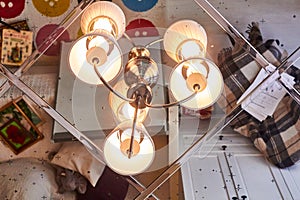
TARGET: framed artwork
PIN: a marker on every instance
(16, 136)
(18, 125)
(16, 46)
(29, 111)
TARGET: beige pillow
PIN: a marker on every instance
(74, 156)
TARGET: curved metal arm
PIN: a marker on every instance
(129, 39)
(154, 42)
(171, 104)
(110, 88)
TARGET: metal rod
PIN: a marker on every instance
(110, 88)
(134, 126)
(90, 146)
(96, 151)
(139, 187)
(9, 26)
(173, 168)
(41, 49)
(129, 39)
(171, 104)
(154, 42)
(236, 35)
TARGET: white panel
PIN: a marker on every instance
(206, 178)
(253, 177)
(292, 180)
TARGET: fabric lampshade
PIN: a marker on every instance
(212, 76)
(117, 144)
(185, 39)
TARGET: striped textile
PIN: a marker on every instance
(277, 137)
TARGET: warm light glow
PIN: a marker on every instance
(126, 112)
(213, 87)
(190, 49)
(82, 60)
(185, 39)
(99, 41)
(102, 23)
(118, 160)
(104, 15)
(121, 109)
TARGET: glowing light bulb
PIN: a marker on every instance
(99, 41)
(116, 149)
(126, 111)
(191, 49)
(103, 23)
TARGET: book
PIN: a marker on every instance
(16, 46)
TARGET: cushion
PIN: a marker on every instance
(239, 70)
(277, 137)
(29, 178)
(74, 156)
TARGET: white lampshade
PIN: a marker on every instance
(185, 39)
(212, 89)
(104, 15)
(121, 109)
(143, 148)
(97, 48)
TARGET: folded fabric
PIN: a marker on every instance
(239, 69)
(74, 156)
(277, 137)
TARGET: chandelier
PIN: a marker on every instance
(96, 58)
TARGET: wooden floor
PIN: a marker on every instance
(163, 192)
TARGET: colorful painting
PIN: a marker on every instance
(16, 46)
(24, 113)
(29, 112)
(16, 136)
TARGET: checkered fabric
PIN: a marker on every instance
(277, 137)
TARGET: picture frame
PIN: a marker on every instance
(22, 115)
(16, 136)
(29, 110)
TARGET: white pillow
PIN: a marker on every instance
(74, 156)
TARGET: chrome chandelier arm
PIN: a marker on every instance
(133, 126)
(173, 103)
(110, 88)
(129, 39)
(41, 49)
(154, 42)
(176, 165)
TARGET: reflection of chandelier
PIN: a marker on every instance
(96, 58)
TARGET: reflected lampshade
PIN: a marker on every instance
(104, 15)
(96, 49)
(185, 39)
(122, 109)
(196, 74)
(116, 148)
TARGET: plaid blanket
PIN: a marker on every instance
(277, 137)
